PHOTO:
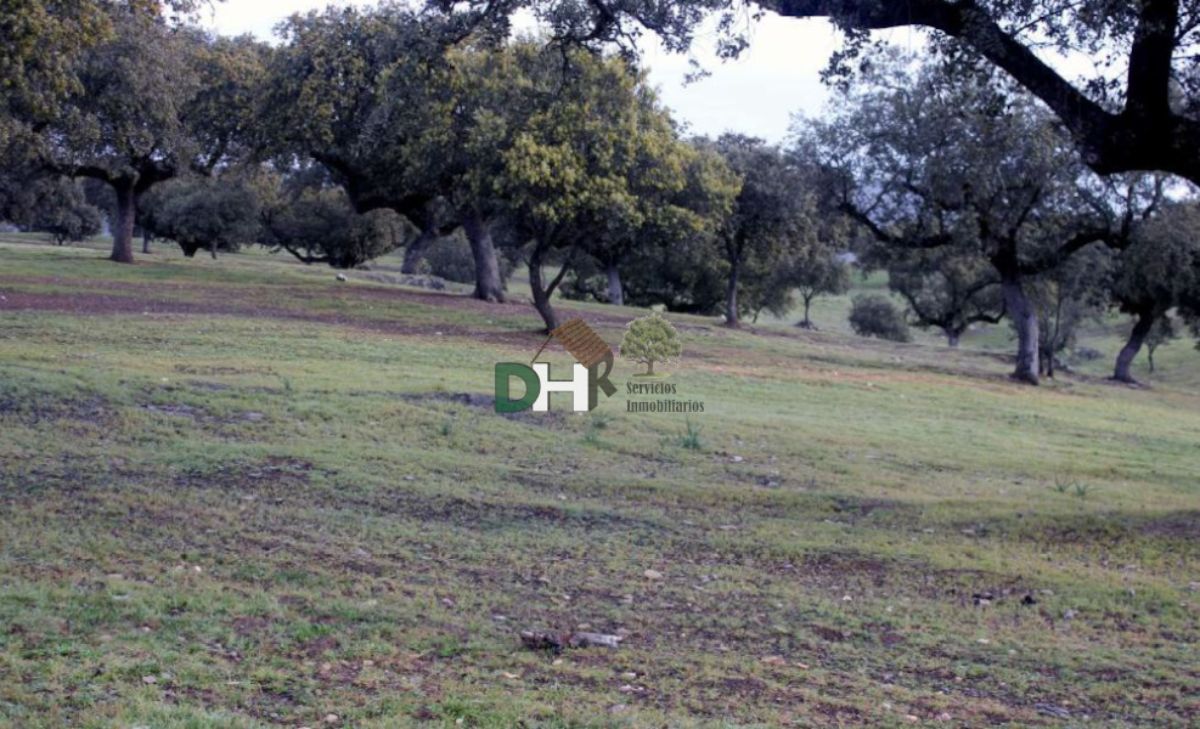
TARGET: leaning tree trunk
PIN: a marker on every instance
(731, 297)
(616, 292)
(489, 286)
(541, 297)
(415, 251)
(1137, 337)
(1024, 317)
(122, 251)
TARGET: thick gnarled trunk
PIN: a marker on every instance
(122, 250)
(1123, 372)
(489, 286)
(1024, 317)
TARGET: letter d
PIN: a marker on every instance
(505, 371)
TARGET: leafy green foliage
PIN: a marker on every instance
(651, 340)
(874, 315)
(201, 213)
(50, 205)
(451, 258)
(320, 226)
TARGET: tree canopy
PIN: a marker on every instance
(1137, 112)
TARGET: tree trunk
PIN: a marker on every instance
(145, 241)
(616, 292)
(415, 251)
(731, 297)
(122, 250)
(952, 337)
(488, 284)
(1024, 317)
(541, 297)
(1141, 329)
(212, 248)
(806, 323)
(650, 368)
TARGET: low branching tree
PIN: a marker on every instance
(932, 161)
(771, 216)
(200, 213)
(1157, 272)
(947, 290)
(151, 101)
(319, 225)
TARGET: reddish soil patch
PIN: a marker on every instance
(170, 298)
(91, 304)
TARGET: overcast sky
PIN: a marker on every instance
(757, 94)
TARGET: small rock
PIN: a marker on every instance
(736, 459)
(331, 718)
(773, 660)
(944, 716)
(1069, 614)
(340, 277)
(652, 575)
(1051, 710)
(597, 640)
(149, 680)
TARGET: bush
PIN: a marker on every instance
(451, 258)
(320, 226)
(873, 315)
(202, 213)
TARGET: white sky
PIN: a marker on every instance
(777, 76)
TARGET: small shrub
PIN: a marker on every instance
(691, 437)
(451, 258)
(873, 315)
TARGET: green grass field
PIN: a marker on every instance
(240, 493)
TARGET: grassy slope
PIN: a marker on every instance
(277, 513)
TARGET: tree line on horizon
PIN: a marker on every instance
(427, 129)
